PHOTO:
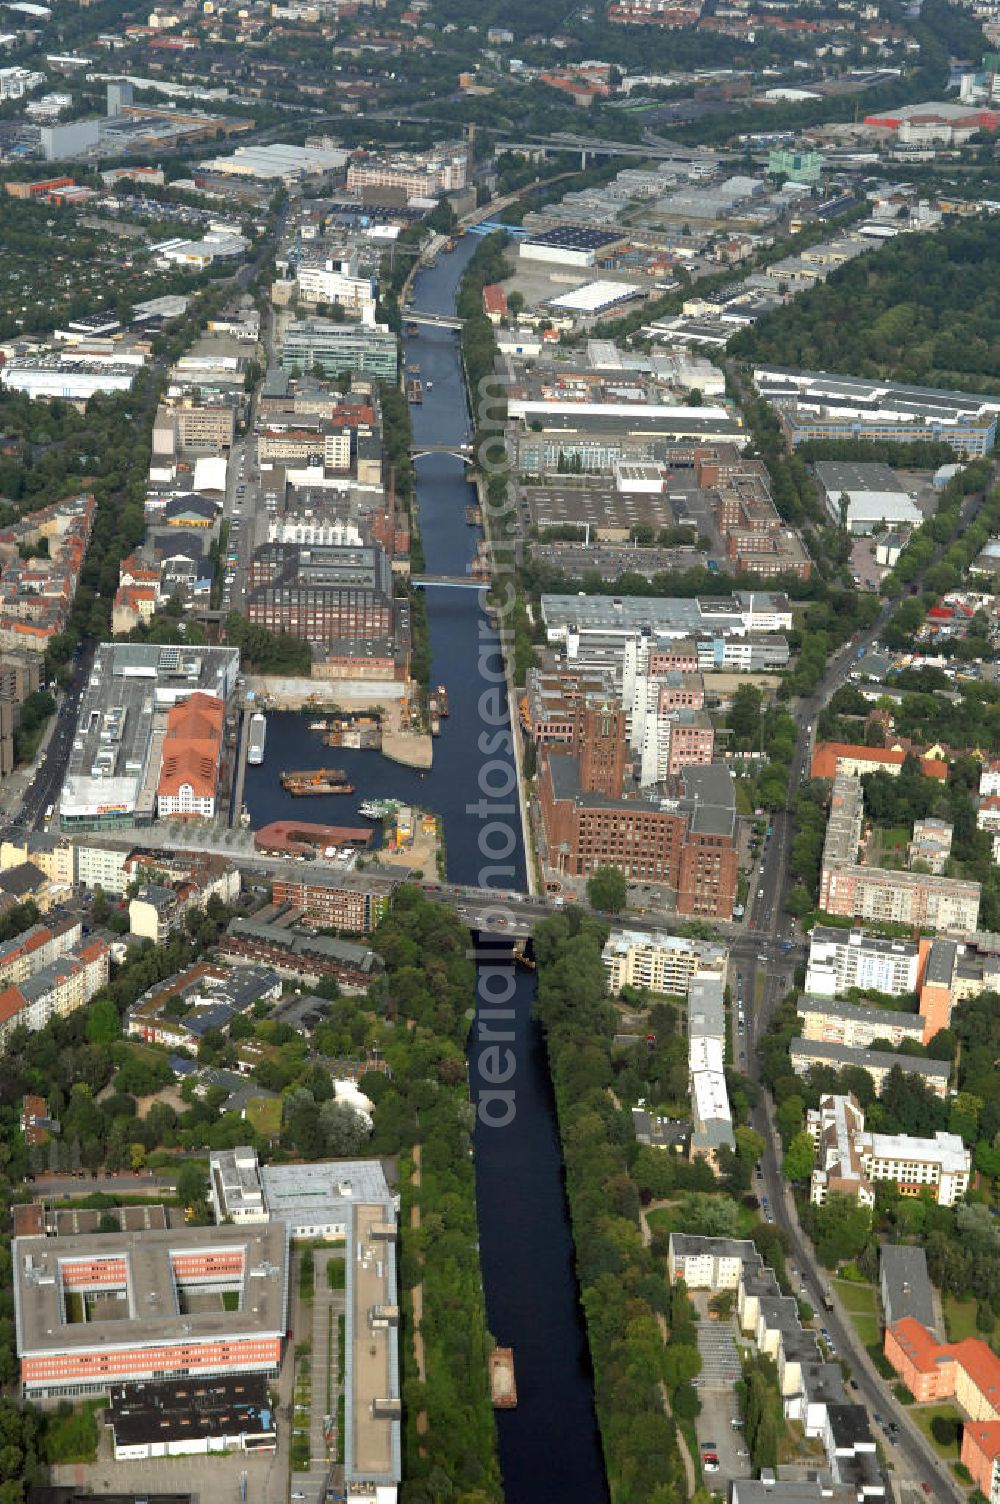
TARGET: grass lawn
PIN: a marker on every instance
(924, 1414)
(960, 1319)
(264, 1114)
(859, 1301)
(667, 1219)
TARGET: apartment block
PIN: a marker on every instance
(711, 1114)
(967, 1371)
(879, 1064)
(855, 1025)
(850, 889)
(352, 901)
(55, 989)
(27, 953)
(849, 1160)
(981, 1455)
(713, 1264)
(659, 962)
(841, 959)
(812, 1390)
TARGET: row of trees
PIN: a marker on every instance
(424, 996)
(621, 1282)
(488, 264)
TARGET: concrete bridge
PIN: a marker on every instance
(431, 320)
(461, 451)
(450, 581)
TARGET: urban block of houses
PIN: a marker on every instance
(812, 1390)
(850, 888)
(849, 1160)
(180, 1011)
(41, 557)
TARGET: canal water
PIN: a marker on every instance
(550, 1449)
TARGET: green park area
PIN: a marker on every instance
(960, 1318)
(942, 1425)
(264, 1114)
(698, 1212)
(859, 1302)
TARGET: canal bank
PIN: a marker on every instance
(550, 1448)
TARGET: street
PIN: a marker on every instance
(914, 1460)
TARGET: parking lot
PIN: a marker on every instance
(720, 1361)
(211, 1480)
(715, 1424)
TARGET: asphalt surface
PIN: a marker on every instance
(47, 779)
(126, 1184)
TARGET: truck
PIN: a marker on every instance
(827, 1300)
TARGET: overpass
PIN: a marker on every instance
(462, 451)
(450, 581)
(431, 320)
(596, 146)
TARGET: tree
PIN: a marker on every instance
(192, 1183)
(607, 890)
(842, 1229)
(799, 1157)
(102, 1021)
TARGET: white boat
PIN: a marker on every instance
(258, 735)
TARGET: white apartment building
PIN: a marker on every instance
(850, 1160)
(942, 1162)
(709, 1263)
(102, 867)
(840, 959)
(16, 82)
(338, 282)
(659, 962)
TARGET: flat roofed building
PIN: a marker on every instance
(660, 962)
(234, 1185)
(149, 1307)
(372, 1393)
(868, 495)
(315, 1200)
(709, 1263)
(192, 1418)
(854, 1024)
(805, 1053)
(821, 405)
(841, 959)
(941, 1164)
